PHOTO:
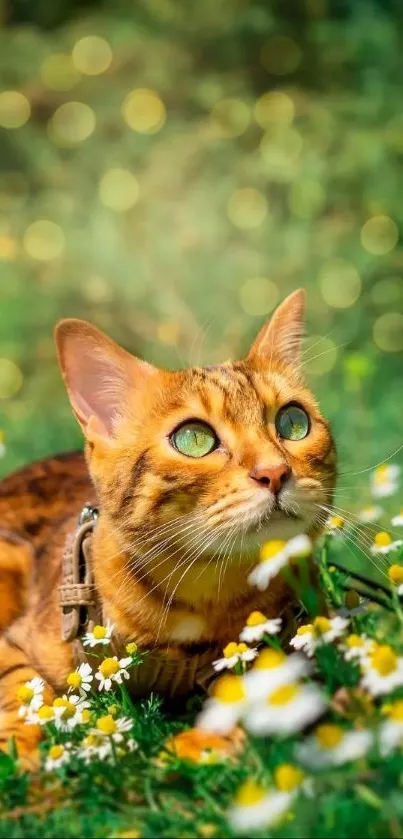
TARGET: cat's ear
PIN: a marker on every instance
(99, 376)
(282, 335)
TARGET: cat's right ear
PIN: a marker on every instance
(99, 376)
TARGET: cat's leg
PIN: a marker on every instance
(15, 670)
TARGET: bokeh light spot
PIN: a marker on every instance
(280, 55)
(230, 118)
(387, 291)
(8, 247)
(379, 235)
(306, 198)
(15, 109)
(320, 355)
(92, 55)
(11, 378)
(274, 107)
(247, 208)
(388, 332)
(258, 296)
(44, 240)
(72, 123)
(118, 190)
(281, 154)
(144, 111)
(340, 284)
(58, 72)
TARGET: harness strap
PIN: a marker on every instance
(80, 605)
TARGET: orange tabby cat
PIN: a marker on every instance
(191, 472)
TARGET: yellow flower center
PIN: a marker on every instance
(229, 689)
(269, 659)
(329, 735)
(287, 777)
(395, 574)
(256, 618)
(321, 625)
(86, 716)
(384, 660)
(99, 632)
(234, 649)
(284, 695)
(382, 539)
(55, 752)
(250, 793)
(270, 549)
(25, 694)
(395, 711)
(69, 707)
(108, 667)
(305, 629)
(131, 648)
(107, 725)
(336, 521)
(354, 641)
(90, 740)
(74, 680)
(45, 713)
(381, 474)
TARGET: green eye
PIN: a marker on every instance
(292, 423)
(194, 439)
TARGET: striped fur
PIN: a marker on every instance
(177, 537)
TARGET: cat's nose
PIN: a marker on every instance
(272, 477)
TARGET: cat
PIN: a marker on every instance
(191, 472)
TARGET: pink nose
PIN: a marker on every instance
(273, 477)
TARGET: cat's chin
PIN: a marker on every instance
(252, 535)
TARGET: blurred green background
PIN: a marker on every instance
(171, 170)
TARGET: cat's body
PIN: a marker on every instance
(178, 532)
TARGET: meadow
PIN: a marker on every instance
(171, 174)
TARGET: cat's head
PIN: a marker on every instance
(235, 451)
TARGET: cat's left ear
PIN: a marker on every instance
(282, 336)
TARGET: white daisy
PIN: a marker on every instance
(95, 746)
(68, 711)
(256, 807)
(383, 670)
(322, 631)
(30, 696)
(234, 653)
(286, 710)
(384, 480)
(222, 711)
(384, 544)
(81, 679)
(99, 635)
(357, 647)
(275, 555)
(112, 670)
(112, 729)
(57, 756)
(258, 625)
(397, 521)
(370, 514)
(331, 745)
(391, 731)
(335, 525)
(272, 670)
